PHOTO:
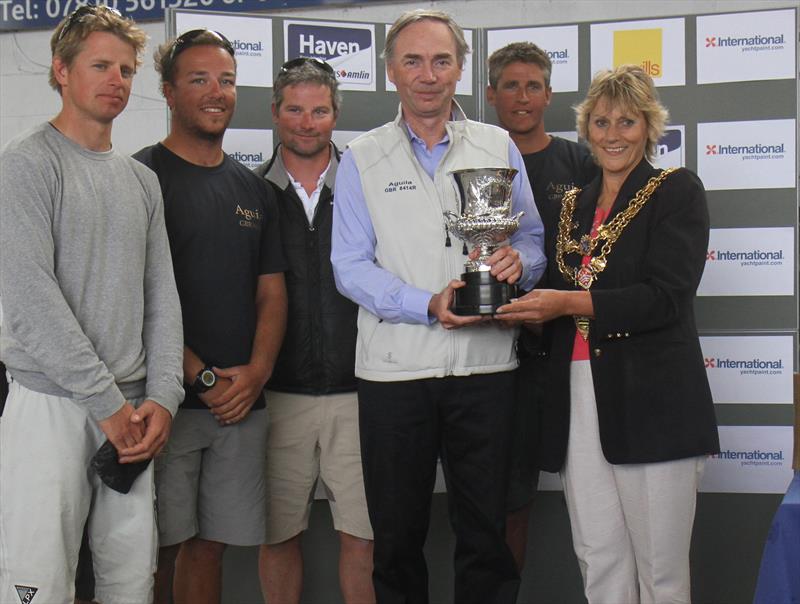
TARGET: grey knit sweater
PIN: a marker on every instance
(89, 305)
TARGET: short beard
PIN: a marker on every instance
(307, 154)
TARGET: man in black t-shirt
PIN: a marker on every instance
(519, 90)
(224, 238)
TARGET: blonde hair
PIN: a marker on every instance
(421, 14)
(69, 35)
(631, 89)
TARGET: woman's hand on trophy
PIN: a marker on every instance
(542, 305)
(439, 308)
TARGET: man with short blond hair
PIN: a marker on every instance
(431, 383)
(91, 332)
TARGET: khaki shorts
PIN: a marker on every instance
(310, 438)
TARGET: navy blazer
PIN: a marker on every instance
(653, 398)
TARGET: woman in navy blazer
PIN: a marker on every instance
(628, 419)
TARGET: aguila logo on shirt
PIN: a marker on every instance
(249, 219)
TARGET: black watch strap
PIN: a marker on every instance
(205, 380)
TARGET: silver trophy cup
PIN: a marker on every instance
(485, 223)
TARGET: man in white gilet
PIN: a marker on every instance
(431, 383)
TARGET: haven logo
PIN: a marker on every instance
(642, 47)
(326, 42)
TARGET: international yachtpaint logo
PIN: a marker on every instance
(749, 262)
(753, 457)
(740, 47)
(747, 155)
(248, 48)
(752, 43)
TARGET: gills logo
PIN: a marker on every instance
(326, 42)
(642, 47)
(245, 48)
(756, 457)
(756, 42)
(26, 593)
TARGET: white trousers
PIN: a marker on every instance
(631, 523)
(48, 493)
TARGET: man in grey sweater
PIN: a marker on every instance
(91, 331)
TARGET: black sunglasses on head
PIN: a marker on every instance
(186, 39)
(318, 63)
(78, 15)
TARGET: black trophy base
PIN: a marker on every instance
(483, 294)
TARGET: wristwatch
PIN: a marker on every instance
(204, 381)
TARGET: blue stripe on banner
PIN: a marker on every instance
(45, 14)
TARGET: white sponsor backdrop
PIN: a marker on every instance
(353, 64)
(343, 137)
(464, 85)
(749, 262)
(747, 155)
(749, 369)
(251, 37)
(753, 459)
(251, 147)
(636, 42)
(561, 44)
(746, 46)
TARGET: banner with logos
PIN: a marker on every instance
(749, 369)
(752, 459)
(251, 38)
(560, 44)
(657, 46)
(747, 155)
(347, 47)
(749, 262)
(746, 46)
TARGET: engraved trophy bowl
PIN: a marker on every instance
(485, 223)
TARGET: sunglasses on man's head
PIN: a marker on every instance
(318, 63)
(185, 40)
(80, 13)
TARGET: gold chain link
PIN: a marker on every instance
(584, 276)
